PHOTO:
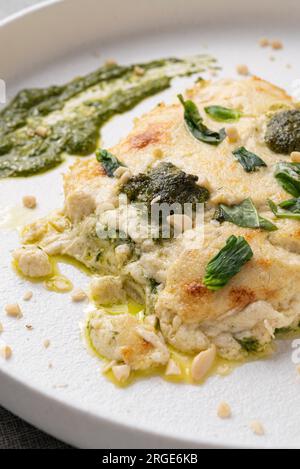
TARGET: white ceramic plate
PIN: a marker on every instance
(72, 400)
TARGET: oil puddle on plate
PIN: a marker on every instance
(14, 217)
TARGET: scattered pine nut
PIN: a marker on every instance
(5, 351)
(29, 327)
(139, 71)
(78, 295)
(203, 181)
(46, 343)
(257, 428)
(232, 134)
(108, 366)
(203, 362)
(120, 171)
(298, 369)
(27, 295)
(242, 69)
(110, 62)
(58, 283)
(276, 45)
(264, 42)
(125, 177)
(1, 327)
(13, 310)
(121, 372)
(224, 410)
(295, 156)
(172, 368)
(30, 132)
(41, 131)
(29, 201)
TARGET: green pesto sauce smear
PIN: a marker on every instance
(40, 126)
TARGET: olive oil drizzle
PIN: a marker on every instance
(222, 367)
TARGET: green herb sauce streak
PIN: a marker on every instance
(40, 126)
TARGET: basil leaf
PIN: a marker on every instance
(195, 124)
(288, 176)
(293, 205)
(287, 209)
(267, 225)
(243, 214)
(227, 263)
(220, 113)
(109, 162)
(250, 161)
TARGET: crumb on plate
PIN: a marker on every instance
(13, 310)
(29, 201)
(264, 42)
(5, 351)
(27, 295)
(257, 428)
(46, 343)
(242, 69)
(276, 45)
(224, 410)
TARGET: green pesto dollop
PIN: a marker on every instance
(283, 132)
(166, 183)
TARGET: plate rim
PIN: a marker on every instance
(27, 11)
